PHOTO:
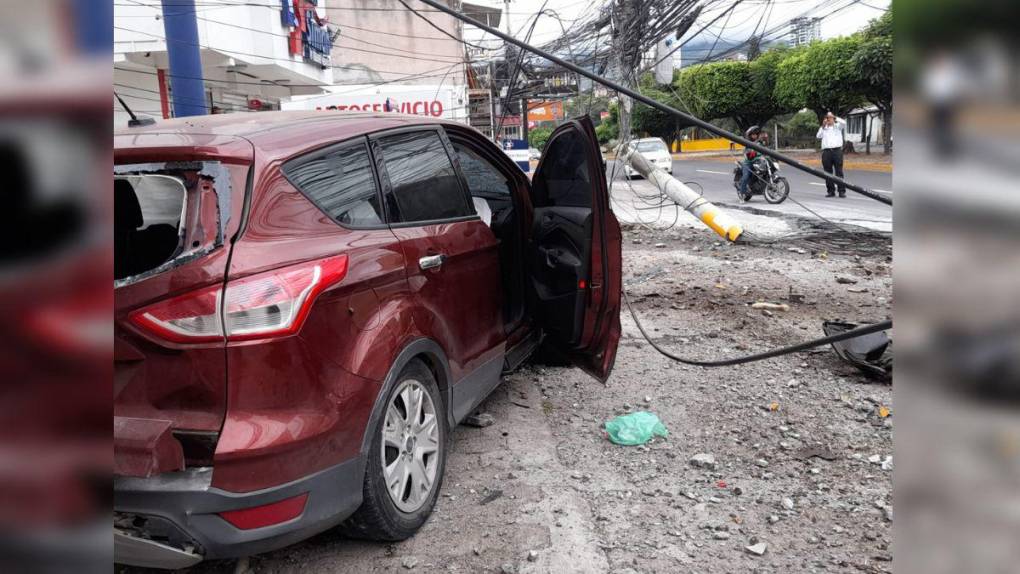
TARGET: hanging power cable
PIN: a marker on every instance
(663, 107)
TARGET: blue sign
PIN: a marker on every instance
(518, 152)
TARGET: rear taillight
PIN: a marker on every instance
(270, 304)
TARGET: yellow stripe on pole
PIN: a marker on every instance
(734, 232)
(717, 220)
(709, 218)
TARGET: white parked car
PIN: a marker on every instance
(534, 154)
(655, 151)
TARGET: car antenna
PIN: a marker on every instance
(135, 121)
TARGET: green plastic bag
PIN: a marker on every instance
(635, 428)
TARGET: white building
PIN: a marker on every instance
(389, 59)
(380, 41)
(804, 30)
(864, 125)
(246, 52)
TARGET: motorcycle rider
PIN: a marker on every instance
(750, 155)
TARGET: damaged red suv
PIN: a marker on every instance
(308, 303)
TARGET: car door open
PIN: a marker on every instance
(574, 250)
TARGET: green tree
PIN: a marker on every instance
(822, 78)
(802, 124)
(792, 82)
(712, 91)
(873, 62)
(605, 132)
(584, 104)
(742, 91)
(881, 27)
(762, 104)
(652, 121)
(538, 136)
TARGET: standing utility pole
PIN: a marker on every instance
(181, 31)
(627, 21)
(524, 118)
(492, 101)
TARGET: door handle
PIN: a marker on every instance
(431, 262)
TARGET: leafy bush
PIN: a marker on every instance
(605, 132)
(538, 136)
(803, 123)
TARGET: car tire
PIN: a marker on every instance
(387, 516)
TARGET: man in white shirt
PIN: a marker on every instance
(832, 133)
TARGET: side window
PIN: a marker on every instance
(483, 178)
(567, 179)
(341, 183)
(424, 185)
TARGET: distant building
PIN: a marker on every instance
(805, 30)
(864, 125)
(391, 59)
(381, 42)
(252, 57)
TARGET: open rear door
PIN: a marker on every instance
(574, 250)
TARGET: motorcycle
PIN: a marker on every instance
(765, 180)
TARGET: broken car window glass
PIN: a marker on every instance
(148, 211)
(167, 213)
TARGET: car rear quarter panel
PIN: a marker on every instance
(155, 381)
(300, 404)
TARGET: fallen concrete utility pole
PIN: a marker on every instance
(660, 106)
(685, 197)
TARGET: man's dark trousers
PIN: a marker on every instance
(832, 160)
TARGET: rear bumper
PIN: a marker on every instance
(141, 552)
(172, 521)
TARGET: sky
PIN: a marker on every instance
(742, 21)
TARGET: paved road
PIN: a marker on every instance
(716, 179)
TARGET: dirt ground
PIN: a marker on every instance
(543, 490)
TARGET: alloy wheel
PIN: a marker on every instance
(410, 446)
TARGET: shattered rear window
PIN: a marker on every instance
(166, 214)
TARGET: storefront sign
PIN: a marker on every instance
(424, 101)
(433, 108)
(545, 111)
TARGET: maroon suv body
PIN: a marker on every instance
(307, 303)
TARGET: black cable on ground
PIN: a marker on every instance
(851, 334)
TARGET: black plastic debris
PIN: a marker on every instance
(870, 353)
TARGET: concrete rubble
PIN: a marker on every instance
(757, 474)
